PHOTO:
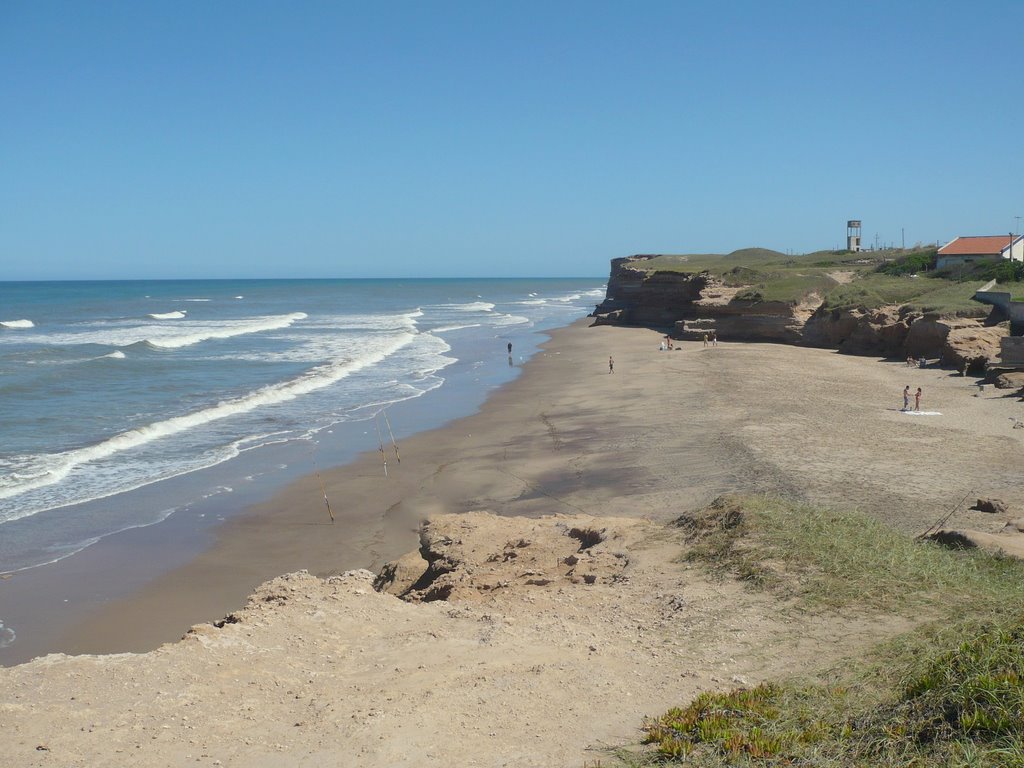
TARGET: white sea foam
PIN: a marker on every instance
(569, 297)
(447, 328)
(473, 306)
(168, 315)
(533, 302)
(379, 322)
(225, 331)
(116, 355)
(170, 335)
(56, 467)
(239, 297)
(196, 299)
(17, 324)
(503, 320)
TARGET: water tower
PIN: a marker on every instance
(853, 235)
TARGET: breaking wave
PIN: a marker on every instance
(40, 471)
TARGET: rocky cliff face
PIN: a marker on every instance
(637, 297)
(692, 304)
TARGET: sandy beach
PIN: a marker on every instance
(330, 671)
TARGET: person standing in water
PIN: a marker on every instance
(510, 349)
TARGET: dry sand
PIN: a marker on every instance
(517, 673)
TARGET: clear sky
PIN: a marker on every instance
(418, 139)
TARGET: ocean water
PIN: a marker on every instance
(111, 390)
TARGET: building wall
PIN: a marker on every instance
(1016, 253)
(951, 261)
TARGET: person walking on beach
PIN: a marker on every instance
(917, 400)
(714, 339)
(906, 398)
(705, 339)
(611, 365)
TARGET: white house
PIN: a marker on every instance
(964, 250)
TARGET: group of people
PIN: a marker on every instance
(906, 399)
(912, 363)
(710, 339)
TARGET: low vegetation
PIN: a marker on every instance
(950, 693)
(923, 294)
(869, 279)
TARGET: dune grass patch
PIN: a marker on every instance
(950, 693)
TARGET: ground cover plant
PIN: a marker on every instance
(950, 693)
(871, 279)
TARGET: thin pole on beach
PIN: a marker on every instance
(323, 488)
(380, 443)
(388, 422)
(942, 521)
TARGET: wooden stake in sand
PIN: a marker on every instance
(323, 488)
(380, 443)
(386, 421)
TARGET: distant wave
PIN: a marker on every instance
(239, 297)
(375, 322)
(116, 355)
(502, 320)
(447, 328)
(17, 324)
(58, 466)
(197, 299)
(168, 315)
(569, 297)
(474, 306)
(256, 325)
(533, 302)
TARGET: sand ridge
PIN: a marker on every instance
(533, 659)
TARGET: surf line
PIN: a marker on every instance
(323, 488)
(380, 444)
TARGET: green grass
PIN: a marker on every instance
(833, 560)
(928, 294)
(948, 694)
(789, 287)
(879, 278)
(961, 707)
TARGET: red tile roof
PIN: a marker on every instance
(988, 245)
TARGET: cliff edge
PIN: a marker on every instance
(737, 305)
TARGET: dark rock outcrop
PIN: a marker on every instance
(637, 297)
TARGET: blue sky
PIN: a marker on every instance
(420, 139)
